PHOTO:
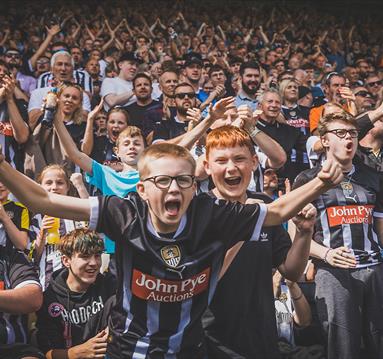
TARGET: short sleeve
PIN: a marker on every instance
(86, 102)
(110, 215)
(281, 244)
(237, 222)
(21, 271)
(36, 100)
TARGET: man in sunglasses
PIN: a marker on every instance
(185, 99)
(364, 99)
(346, 246)
(14, 61)
(374, 85)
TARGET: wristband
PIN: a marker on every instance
(325, 256)
(254, 132)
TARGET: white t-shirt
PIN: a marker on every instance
(116, 86)
(37, 96)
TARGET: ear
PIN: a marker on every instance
(141, 190)
(255, 162)
(207, 167)
(65, 261)
(120, 65)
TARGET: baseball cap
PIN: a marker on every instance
(303, 91)
(193, 58)
(129, 56)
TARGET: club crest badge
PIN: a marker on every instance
(55, 309)
(171, 255)
(348, 191)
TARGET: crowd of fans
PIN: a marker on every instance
(246, 103)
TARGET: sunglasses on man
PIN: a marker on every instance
(374, 83)
(183, 95)
(364, 94)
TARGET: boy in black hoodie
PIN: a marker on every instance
(73, 319)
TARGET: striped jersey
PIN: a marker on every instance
(15, 272)
(346, 213)
(80, 77)
(166, 284)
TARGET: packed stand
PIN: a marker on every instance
(190, 181)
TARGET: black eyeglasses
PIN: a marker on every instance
(164, 182)
(364, 94)
(341, 133)
(182, 95)
(375, 83)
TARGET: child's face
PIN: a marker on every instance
(167, 206)
(116, 123)
(129, 149)
(54, 181)
(4, 193)
(84, 268)
(231, 170)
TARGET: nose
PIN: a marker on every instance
(231, 166)
(174, 186)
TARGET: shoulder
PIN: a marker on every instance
(306, 176)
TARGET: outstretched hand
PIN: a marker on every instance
(217, 111)
(92, 114)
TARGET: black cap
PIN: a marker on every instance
(303, 91)
(193, 58)
(129, 56)
(235, 60)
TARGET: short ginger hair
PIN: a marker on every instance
(226, 137)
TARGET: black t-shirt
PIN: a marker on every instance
(103, 149)
(165, 285)
(168, 129)
(243, 304)
(145, 117)
(15, 271)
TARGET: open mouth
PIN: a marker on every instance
(349, 146)
(172, 207)
(115, 133)
(233, 181)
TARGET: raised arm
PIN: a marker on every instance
(23, 300)
(290, 204)
(75, 155)
(87, 143)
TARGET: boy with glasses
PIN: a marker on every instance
(170, 246)
(347, 241)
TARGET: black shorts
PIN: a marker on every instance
(19, 351)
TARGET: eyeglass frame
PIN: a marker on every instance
(172, 178)
(189, 95)
(365, 94)
(334, 131)
(374, 83)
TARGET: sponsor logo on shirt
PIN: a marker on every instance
(297, 122)
(351, 214)
(55, 309)
(171, 255)
(147, 287)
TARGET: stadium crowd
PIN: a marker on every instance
(187, 180)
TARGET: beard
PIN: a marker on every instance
(248, 90)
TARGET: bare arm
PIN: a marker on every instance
(33, 117)
(302, 312)
(23, 300)
(51, 32)
(35, 198)
(87, 143)
(114, 100)
(19, 127)
(75, 155)
(290, 204)
(18, 238)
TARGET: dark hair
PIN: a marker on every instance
(248, 65)
(141, 75)
(183, 84)
(82, 241)
(215, 68)
(62, 44)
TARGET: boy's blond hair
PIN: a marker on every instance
(160, 150)
(130, 131)
(331, 117)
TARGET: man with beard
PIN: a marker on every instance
(250, 77)
(185, 98)
(13, 60)
(146, 112)
(364, 99)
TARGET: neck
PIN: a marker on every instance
(290, 103)
(241, 198)
(269, 192)
(267, 119)
(372, 142)
(162, 227)
(195, 85)
(128, 168)
(345, 165)
(74, 284)
(144, 102)
(242, 93)
(181, 117)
